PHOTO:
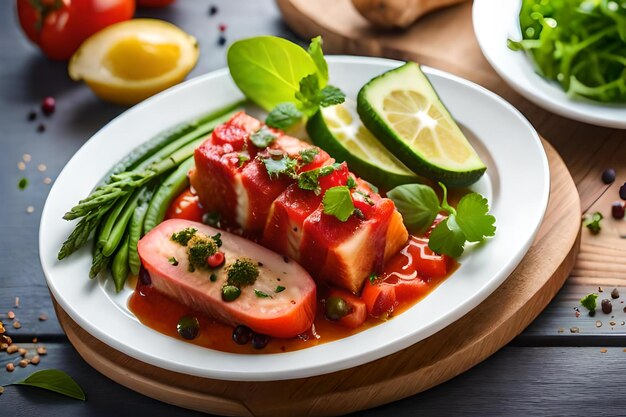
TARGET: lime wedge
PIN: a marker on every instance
(404, 112)
(339, 131)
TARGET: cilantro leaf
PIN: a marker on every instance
(260, 294)
(309, 180)
(589, 301)
(284, 165)
(418, 205)
(472, 217)
(447, 238)
(338, 202)
(308, 155)
(316, 53)
(592, 222)
(331, 95)
(283, 116)
(263, 137)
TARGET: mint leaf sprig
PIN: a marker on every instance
(313, 93)
(469, 222)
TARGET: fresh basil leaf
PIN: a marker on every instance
(418, 205)
(283, 116)
(56, 381)
(447, 238)
(331, 95)
(338, 202)
(317, 55)
(284, 165)
(472, 217)
(268, 69)
(263, 137)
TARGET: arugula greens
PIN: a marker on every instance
(469, 222)
(581, 44)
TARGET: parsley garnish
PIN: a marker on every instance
(589, 301)
(242, 159)
(592, 222)
(283, 116)
(280, 288)
(260, 294)
(351, 183)
(309, 180)
(308, 155)
(183, 237)
(373, 278)
(283, 165)
(469, 222)
(173, 261)
(338, 202)
(217, 239)
(263, 137)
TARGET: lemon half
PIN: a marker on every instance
(133, 60)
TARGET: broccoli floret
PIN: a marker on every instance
(199, 248)
(242, 272)
(184, 236)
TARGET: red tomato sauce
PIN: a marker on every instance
(162, 314)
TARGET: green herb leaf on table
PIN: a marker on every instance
(283, 116)
(418, 205)
(268, 69)
(263, 137)
(23, 183)
(338, 202)
(589, 301)
(56, 381)
(593, 222)
(317, 55)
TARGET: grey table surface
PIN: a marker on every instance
(539, 373)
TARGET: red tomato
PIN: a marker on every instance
(357, 312)
(336, 178)
(185, 206)
(154, 3)
(60, 26)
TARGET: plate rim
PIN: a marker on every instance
(561, 105)
(452, 316)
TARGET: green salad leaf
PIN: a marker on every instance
(56, 381)
(581, 44)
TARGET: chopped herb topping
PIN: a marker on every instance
(308, 155)
(309, 180)
(199, 248)
(184, 236)
(213, 277)
(351, 183)
(217, 239)
(242, 272)
(338, 202)
(366, 197)
(242, 159)
(263, 137)
(279, 288)
(173, 261)
(373, 278)
(280, 166)
(359, 213)
(589, 301)
(592, 222)
(260, 294)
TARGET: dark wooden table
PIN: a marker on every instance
(550, 369)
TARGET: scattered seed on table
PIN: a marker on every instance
(34, 340)
(607, 307)
(12, 349)
(17, 324)
(42, 317)
(574, 330)
(600, 289)
(32, 115)
(561, 330)
(22, 183)
(612, 323)
(30, 209)
(23, 363)
(42, 350)
(221, 41)
(622, 191)
(618, 210)
(212, 10)
(598, 323)
(35, 360)
(47, 180)
(22, 351)
(222, 27)
(48, 105)
(615, 293)
(608, 176)
(577, 313)
(3, 346)
(41, 167)
(11, 315)
(26, 157)
(21, 166)
(41, 128)
(603, 350)
(1, 390)
(7, 340)
(17, 299)
(10, 367)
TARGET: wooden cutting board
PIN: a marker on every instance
(453, 350)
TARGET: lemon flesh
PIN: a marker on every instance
(402, 109)
(130, 61)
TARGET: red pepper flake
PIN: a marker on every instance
(48, 105)
(222, 27)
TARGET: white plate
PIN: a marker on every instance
(517, 185)
(497, 20)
